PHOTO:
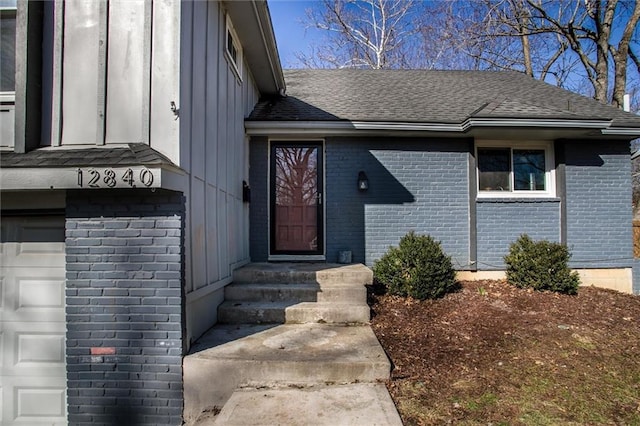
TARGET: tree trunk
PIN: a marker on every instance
(603, 32)
(620, 58)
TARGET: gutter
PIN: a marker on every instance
(256, 128)
(261, 10)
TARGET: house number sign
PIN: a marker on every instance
(115, 177)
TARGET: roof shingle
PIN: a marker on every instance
(425, 96)
(131, 155)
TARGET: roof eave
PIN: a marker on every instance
(252, 23)
(266, 128)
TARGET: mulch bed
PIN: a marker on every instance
(466, 356)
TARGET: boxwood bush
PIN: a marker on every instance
(417, 268)
(540, 265)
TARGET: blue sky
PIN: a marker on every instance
(291, 34)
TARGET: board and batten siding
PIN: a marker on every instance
(122, 65)
(214, 103)
(120, 73)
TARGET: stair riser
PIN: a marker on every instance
(249, 315)
(229, 375)
(259, 293)
(296, 315)
(336, 315)
(242, 275)
(266, 294)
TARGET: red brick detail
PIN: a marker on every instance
(103, 351)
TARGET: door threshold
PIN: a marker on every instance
(296, 258)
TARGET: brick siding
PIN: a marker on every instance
(414, 185)
(501, 221)
(419, 185)
(125, 307)
(599, 218)
(259, 207)
(423, 185)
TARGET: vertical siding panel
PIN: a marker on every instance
(198, 235)
(198, 76)
(223, 81)
(213, 269)
(56, 74)
(223, 140)
(126, 76)
(81, 63)
(211, 137)
(165, 77)
(223, 232)
(186, 83)
(186, 67)
(197, 145)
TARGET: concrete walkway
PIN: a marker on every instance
(354, 404)
(326, 371)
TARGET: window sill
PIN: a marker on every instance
(516, 199)
(7, 97)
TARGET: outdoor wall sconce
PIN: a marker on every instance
(246, 192)
(363, 181)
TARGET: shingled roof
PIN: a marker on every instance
(424, 96)
(130, 155)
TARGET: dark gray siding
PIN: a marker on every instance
(125, 307)
(419, 185)
(599, 229)
(423, 185)
(501, 221)
(259, 207)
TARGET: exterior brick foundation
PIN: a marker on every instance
(125, 307)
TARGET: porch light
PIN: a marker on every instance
(363, 182)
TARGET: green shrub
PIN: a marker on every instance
(540, 265)
(417, 267)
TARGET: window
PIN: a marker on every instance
(233, 50)
(520, 171)
(7, 72)
(7, 46)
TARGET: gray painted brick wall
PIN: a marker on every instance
(414, 185)
(501, 221)
(422, 185)
(599, 217)
(259, 207)
(125, 307)
(636, 276)
(419, 185)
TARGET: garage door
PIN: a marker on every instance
(32, 322)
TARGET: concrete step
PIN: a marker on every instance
(232, 356)
(351, 404)
(319, 273)
(346, 293)
(331, 313)
(241, 312)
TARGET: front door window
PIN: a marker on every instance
(296, 201)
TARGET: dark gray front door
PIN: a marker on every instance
(296, 199)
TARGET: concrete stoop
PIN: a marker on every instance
(265, 293)
(233, 356)
(359, 404)
(289, 328)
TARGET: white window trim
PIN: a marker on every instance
(236, 65)
(550, 172)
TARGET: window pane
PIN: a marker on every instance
(7, 50)
(529, 169)
(231, 48)
(494, 167)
